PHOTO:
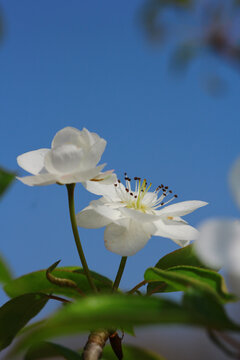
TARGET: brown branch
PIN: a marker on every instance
(95, 344)
(58, 298)
(138, 286)
(229, 340)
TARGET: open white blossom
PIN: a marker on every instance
(132, 216)
(218, 246)
(73, 158)
(218, 243)
(234, 179)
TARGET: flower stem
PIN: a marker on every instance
(70, 189)
(138, 286)
(119, 273)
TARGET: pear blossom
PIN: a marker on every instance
(73, 158)
(218, 243)
(132, 216)
(218, 246)
(234, 179)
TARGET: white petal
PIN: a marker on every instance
(100, 188)
(65, 159)
(181, 209)
(32, 161)
(182, 243)
(106, 211)
(234, 179)
(89, 137)
(80, 176)
(67, 135)
(175, 230)
(126, 241)
(138, 215)
(233, 281)
(106, 178)
(93, 155)
(90, 219)
(41, 179)
(218, 242)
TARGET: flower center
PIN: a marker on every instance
(141, 198)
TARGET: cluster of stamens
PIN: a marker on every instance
(137, 198)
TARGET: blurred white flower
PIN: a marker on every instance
(132, 216)
(234, 179)
(218, 245)
(73, 158)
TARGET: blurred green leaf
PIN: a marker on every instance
(5, 272)
(6, 178)
(131, 352)
(117, 311)
(16, 313)
(37, 282)
(183, 256)
(180, 278)
(46, 350)
(205, 307)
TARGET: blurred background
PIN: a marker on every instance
(159, 80)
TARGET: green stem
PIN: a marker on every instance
(70, 189)
(119, 273)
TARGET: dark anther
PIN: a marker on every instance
(135, 196)
(166, 187)
(164, 194)
(131, 193)
(125, 174)
(136, 178)
(175, 196)
(127, 190)
(162, 203)
(115, 184)
(170, 191)
(119, 181)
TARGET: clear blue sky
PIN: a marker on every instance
(88, 64)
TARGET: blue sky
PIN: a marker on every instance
(88, 64)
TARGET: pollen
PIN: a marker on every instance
(138, 197)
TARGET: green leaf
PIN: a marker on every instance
(205, 307)
(131, 352)
(37, 282)
(180, 278)
(117, 311)
(16, 313)
(183, 256)
(5, 273)
(5, 180)
(47, 350)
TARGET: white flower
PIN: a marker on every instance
(234, 179)
(73, 158)
(132, 216)
(218, 245)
